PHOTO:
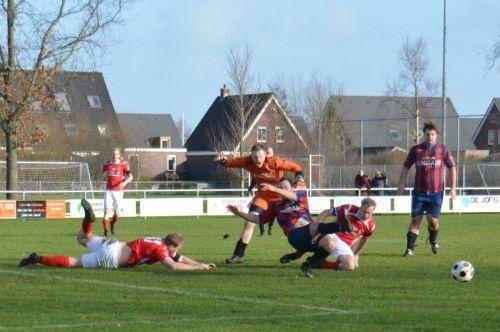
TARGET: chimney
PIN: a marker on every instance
(224, 92)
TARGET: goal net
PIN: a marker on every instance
(50, 176)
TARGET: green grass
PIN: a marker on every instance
(387, 293)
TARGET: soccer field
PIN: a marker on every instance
(387, 293)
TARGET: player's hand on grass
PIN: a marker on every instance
(207, 266)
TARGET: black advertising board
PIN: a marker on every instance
(31, 209)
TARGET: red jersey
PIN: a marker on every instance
(359, 228)
(429, 161)
(271, 172)
(115, 173)
(147, 250)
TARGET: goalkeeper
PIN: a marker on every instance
(264, 170)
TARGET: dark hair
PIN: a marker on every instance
(258, 147)
(430, 126)
(174, 239)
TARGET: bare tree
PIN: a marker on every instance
(41, 39)
(229, 136)
(413, 81)
(493, 55)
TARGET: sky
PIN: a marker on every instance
(170, 56)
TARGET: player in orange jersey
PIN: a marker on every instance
(264, 170)
(113, 254)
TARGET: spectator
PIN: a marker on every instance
(379, 181)
(362, 182)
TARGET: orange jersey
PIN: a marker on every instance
(271, 172)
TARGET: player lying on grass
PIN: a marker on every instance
(347, 244)
(293, 216)
(263, 170)
(113, 254)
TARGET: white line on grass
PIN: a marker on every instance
(182, 292)
(124, 324)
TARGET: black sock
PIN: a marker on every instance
(240, 248)
(261, 228)
(319, 256)
(410, 240)
(328, 228)
(433, 234)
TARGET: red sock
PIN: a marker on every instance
(87, 226)
(114, 219)
(105, 225)
(60, 261)
(331, 265)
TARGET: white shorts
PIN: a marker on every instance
(341, 248)
(102, 253)
(113, 200)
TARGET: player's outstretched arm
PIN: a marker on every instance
(169, 263)
(250, 217)
(190, 261)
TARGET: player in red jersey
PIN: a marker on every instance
(430, 159)
(118, 175)
(348, 245)
(263, 170)
(113, 254)
(292, 213)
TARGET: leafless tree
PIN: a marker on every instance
(413, 81)
(40, 39)
(243, 100)
(493, 55)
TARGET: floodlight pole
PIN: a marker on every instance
(443, 120)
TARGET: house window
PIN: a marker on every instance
(165, 142)
(491, 137)
(171, 164)
(394, 134)
(94, 101)
(70, 129)
(62, 101)
(280, 135)
(103, 130)
(262, 134)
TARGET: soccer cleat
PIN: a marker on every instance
(307, 269)
(234, 260)
(33, 258)
(408, 252)
(435, 248)
(89, 212)
(285, 259)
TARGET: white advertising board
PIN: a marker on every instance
(318, 204)
(128, 208)
(476, 204)
(163, 207)
(217, 206)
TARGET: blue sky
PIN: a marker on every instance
(169, 56)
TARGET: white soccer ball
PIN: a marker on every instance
(462, 271)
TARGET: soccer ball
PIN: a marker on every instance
(462, 271)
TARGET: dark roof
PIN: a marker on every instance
(494, 105)
(138, 128)
(382, 114)
(216, 121)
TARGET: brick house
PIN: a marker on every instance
(265, 122)
(153, 146)
(487, 135)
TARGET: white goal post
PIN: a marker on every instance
(49, 176)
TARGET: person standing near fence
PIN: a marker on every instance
(118, 175)
(379, 181)
(430, 159)
(362, 182)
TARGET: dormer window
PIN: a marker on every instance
(94, 101)
(62, 101)
(394, 134)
